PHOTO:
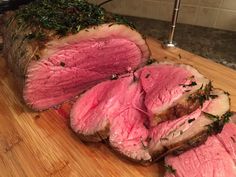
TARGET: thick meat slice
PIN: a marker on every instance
(114, 109)
(57, 51)
(208, 160)
(214, 158)
(173, 90)
(190, 130)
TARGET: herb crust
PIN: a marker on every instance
(66, 16)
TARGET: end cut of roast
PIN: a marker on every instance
(114, 110)
(58, 50)
(176, 136)
(215, 158)
(173, 90)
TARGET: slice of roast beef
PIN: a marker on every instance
(175, 136)
(208, 160)
(228, 139)
(173, 90)
(57, 50)
(214, 158)
(114, 110)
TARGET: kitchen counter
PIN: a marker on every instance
(215, 44)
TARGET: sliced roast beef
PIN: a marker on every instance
(208, 160)
(57, 50)
(114, 110)
(228, 139)
(190, 130)
(214, 158)
(173, 90)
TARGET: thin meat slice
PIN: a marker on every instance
(90, 113)
(208, 160)
(216, 157)
(228, 139)
(59, 54)
(172, 90)
(114, 110)
(175, 136)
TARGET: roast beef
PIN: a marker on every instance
(228, 139)
(58, 49)
(190, 130)
(173, 90)
(114, 110)
(214, 158)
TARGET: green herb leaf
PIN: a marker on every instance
(66, 16)
(170, 169)
(218, 122)
(201, 95)
(226, 116)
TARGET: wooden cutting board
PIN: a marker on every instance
(41, 144)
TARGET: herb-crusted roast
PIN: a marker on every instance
(58, 49)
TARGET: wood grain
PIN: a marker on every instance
(41, 144)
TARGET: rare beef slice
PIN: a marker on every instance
(114, 110)
(176, 136)
(214, 158)
(173, 90)
(58, 49)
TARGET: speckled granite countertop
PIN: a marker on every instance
(218, 45)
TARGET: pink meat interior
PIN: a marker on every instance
(117, 105)
(161, 130)
(228, 139)
(216, 157)
(208, 160)
(128, 133)
(91, 112)
(77, 67)
(163, 85)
